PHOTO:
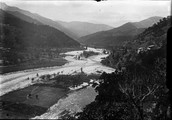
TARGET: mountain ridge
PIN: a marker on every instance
(147, 22)
(29, 34)
(84, 28)
(39, 18)
(117, 36)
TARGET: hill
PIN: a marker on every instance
(147, 22)
(37, 18)
(154, 35)
(139, 88)
(114, 37)
(119, 35)
(84, 28)
(28, 34)
(24, 17)
(21, 41)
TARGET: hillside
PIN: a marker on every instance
(119, 35)
(154, 36)
(147, 22)
(23, 41)
(30, 34)
(84, 28)
(139, 88)
(24, 17)
(114, 37)
(39, 19)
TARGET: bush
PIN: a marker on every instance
(131, 94)
(87, 54)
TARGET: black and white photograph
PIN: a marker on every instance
(85, 59)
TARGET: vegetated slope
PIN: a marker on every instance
(84, 28)
(18, 33)
(23, 42)
(114, 37)
(154, 35)
(24, 17)
(119, 35)
(147, 22)
(139, 91)
(38, 19)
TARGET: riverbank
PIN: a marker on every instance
(44, 58)
(89, 66)
(35, 64)
(38, 98)
(18, 101)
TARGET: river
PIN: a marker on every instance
(75, 101)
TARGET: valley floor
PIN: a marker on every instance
(74, 102)
(34, 64)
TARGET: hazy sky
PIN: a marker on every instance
(111, 12)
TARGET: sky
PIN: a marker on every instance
(110, 12)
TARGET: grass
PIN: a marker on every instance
(24, 110)
(18, 101)
(47, 95)
(16, 104)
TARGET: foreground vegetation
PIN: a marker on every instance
(138, 92)
(48, 89)
(137, 89)
(87, 54)
(66, 81)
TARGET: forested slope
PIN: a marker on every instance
(24, 41)
(137, 89)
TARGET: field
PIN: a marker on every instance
(18, 104)
(36, 99)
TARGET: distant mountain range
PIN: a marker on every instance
(74, 30)
(147, 22)
(84, 32)
(19, 34)
(37, 19)
(84, 28)
(119, 35)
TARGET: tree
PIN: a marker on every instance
(137, 93)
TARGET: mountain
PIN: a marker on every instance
(19, 34)
(119, 35)
(84, 28)
(114, 37)
(155, 35)
(24, 17)
(147, 22)
(137, 72)
(38, 19)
